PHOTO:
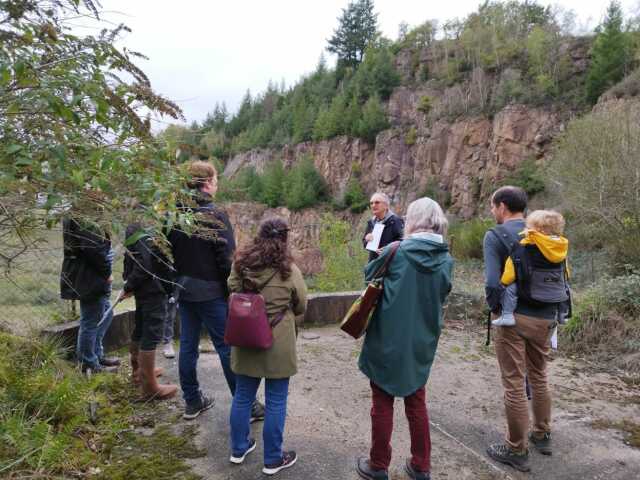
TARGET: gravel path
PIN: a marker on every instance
(328, 420)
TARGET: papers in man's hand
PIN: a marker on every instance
(554, 339)
(374, 244)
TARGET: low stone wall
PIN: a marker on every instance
(322, 309)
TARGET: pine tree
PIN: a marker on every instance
(373, 121)
(273, 184)
(610, 56)
(357, 27)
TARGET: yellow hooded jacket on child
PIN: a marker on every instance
(553, 247)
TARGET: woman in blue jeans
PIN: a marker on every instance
(266, 265)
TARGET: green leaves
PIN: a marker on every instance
(137, 235)
(13, 148)
(68, 123)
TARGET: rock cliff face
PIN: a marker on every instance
(441, 149)
(463, 160)
(438, 145)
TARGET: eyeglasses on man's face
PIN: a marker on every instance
(375, 202)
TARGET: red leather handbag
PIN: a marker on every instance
(248, 324)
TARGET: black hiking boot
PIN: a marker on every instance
(257, 412)
(543, 445)
(192, 410)
(365, 471)
(414, 473)
(503, 454)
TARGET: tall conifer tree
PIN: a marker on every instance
(611, 54)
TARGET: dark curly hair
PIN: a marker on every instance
(269, 249)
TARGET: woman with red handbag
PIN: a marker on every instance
(401, 340)
(266, 266)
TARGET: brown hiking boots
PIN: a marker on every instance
(151, 389)
(134, 351)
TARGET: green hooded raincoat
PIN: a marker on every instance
(400, 343)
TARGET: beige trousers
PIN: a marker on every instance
(524, 350)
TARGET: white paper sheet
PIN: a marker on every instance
(374, 244)
(554, 339)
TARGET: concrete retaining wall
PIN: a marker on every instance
(322, 309)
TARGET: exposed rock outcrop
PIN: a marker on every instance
(305, 228)
(464, 158)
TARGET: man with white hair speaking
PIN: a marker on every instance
(383, 228)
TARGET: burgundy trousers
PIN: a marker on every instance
(415, 408)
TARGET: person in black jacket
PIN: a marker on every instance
(393, 224)
(148, 276)
(86, 276)
(203, 264)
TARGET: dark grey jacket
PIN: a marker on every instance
(203, 263)
(86, 266)
(147, 271)
(495, 255)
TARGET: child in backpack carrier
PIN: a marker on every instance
(544, 229)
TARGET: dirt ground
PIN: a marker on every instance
(328, 420)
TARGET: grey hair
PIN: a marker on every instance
(383, 196)
(425, 215)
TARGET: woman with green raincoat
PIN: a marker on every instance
(401, 341)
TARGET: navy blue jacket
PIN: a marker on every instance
(393, 230)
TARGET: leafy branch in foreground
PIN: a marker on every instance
(75, 134)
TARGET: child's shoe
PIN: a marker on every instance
(504, 320)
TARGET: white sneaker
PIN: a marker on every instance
(238, 459)
(505, 320)
(205, 346)
(168, 351)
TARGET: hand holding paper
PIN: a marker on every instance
(374, 244)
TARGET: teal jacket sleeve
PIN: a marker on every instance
(372, 267)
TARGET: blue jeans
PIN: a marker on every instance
(89, 349)
(276, 393)
(213, 314)
(510, 299)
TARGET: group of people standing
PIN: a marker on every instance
(400, 343)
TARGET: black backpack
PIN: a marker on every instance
(539, 281)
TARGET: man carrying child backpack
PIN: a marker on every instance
(533, 258)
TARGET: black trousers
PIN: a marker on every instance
(150, 318)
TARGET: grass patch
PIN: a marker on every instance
(630, 430)
(466, 237)
(54, 422)
(344, 257)
(606, 322)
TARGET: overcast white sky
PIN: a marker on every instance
(202, 51)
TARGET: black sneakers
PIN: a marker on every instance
(288, 459)
(89, 370)
(238, 459)
(543, 445)
(503, 454)
(110, 361)
(414, 473)
(191, 411)
(365, 471)
(257, 412)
